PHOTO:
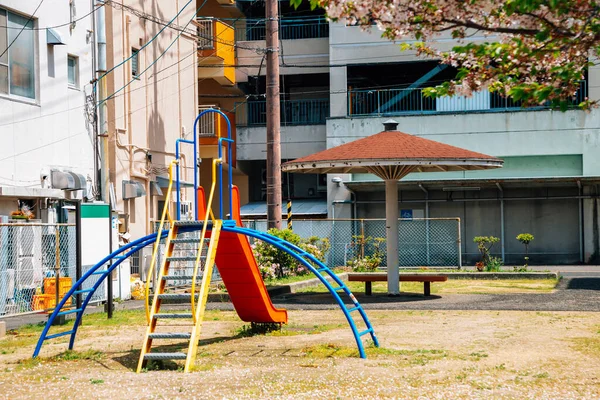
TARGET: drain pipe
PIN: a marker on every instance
(501, 218)
(101, 86)
(427, 237)
(580, 203)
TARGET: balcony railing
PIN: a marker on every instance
(413, 101)
(291, 28)
(293, 112)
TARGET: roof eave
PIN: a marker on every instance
(349, 166)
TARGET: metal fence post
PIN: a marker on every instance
(78, 267)
(459, 241)
(57, 265)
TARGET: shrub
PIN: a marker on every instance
(366, 263)
(275, 264)
(495, 264)
(484, 245)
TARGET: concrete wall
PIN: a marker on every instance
(296, 141)
(299, 51)
(522, 133)
(49, 131)
(553, 222)
(154, 110)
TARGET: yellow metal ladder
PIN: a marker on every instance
(189, 332)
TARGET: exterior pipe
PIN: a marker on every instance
(502, 236)
(427, 223)
(391, 228)
(485, 199)
(580, 221)
(103, 129)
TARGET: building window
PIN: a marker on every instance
(73, 71)
(17, 62)
(135, 62)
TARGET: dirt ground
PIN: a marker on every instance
(427, 355)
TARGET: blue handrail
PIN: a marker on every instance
(307, 27)
(308, 260)
(194, 142)
(398, 101)
(293, 112)
(139, 243)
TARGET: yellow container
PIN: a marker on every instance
(40, 301)
(64, 285)
(46, 301)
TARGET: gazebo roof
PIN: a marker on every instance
(391, 155)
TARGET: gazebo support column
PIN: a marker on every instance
(391, 229)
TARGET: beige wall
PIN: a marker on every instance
(153, 111)
(299, 51)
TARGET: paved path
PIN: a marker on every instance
(572, 294)
(579, 290)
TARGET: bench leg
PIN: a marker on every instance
(427, 288)
(368, 288)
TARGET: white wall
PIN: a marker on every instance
(51, 130)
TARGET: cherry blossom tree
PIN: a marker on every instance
(535, 51)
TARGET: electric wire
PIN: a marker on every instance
(57, 26)
(22, 28)
(156, 60)
(148, 42)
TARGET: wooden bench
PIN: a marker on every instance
(369, 277)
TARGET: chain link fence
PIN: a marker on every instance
(32, 257)
(423, 242)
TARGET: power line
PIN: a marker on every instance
(22, 28)
(147, 43)
(57, 26)
(158, 58)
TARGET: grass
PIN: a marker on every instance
(28, 335)
(298, 278)
(461, 286)
(411, 357)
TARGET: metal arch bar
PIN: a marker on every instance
(177, 181)
(293, 250)
(222, 114)
(99, 282)
(298, 254)
(220, 145)
(85, 276)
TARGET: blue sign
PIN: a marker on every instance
(406, 214)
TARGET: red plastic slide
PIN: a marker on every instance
(241, 275)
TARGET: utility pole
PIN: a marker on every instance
(273, 115)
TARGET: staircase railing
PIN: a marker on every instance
(203, 234)
(165, 215)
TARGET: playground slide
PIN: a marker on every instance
(241, 275)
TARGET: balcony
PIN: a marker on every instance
(293, 112)
(253, 29)
(412, 101)
(216, 47)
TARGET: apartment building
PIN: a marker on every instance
(149, 101)
(47, 140)
(339, 83)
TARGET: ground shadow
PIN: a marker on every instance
(327, 298)
(584, 284)
(130, 359)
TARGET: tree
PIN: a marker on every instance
(536, 51)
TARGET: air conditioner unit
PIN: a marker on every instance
(185, 209)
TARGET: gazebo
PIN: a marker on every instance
(391, 155)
